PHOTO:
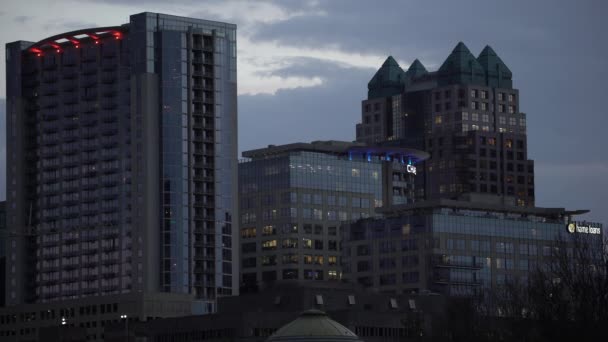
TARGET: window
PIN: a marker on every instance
(512, 121)
(290, 243)
(269, 260)
(464, 116)
(269, 245)
(269, 230)
(474, 116)
(332, 260)
(485, 118)
(248, 232)
(438, 120)
(501, 96)
(306, 243)
(306, 198)
(511, 97)
(473, 93)
(484, 106)
(511, 109)
(318, 244)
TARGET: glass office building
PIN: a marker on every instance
(123, 161)
(294, 197)
(453, 247)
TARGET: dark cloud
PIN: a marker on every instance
(22, 19)
(57, 26)
(325, 112)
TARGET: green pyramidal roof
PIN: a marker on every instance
(461, 67)
(313, 326)
(387, 81)
(497, 72)
(416, 69)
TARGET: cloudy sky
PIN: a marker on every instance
(304, 66)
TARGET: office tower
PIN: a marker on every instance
(466, 115)
(294, 197)
(122, 161)
(457, 247)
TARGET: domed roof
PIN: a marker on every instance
(313, 325)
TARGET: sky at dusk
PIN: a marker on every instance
(303, 68)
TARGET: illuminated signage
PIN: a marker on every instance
(584, 228)
(411, 169)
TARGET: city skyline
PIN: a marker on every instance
(303, 77)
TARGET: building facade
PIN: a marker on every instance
(374, 317)
(293, 198)
(466, 115)
(122, 154)
(454, 247)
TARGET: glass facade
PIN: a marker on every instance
(133, 130)
(452, 250)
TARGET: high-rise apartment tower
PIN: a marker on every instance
(122, 162)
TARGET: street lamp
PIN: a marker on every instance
(125, 317)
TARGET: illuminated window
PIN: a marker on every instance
(269, 245)
(508, 143)
(307, 243)
(318, 259)
(474, 127)
(307, 259)
(269, 230)
(248, 232)
(290, 243)
(355, 173)
(333, 275)
(332, 260)
(438, 120)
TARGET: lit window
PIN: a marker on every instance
(465, 128)
(474, 127)
(438, 120)
(485, 128)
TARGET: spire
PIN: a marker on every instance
(387, 81)
(497, 73)
(416, 69)
(461, 67)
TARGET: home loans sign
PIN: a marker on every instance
(584, 228)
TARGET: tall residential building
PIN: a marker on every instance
(466, 115)
(294, 198)
(459, 247)
(122, 161)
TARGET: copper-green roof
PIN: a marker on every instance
(461, 67)
(416, 69)
(313, 326)
(387, 81)
(497, 73)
